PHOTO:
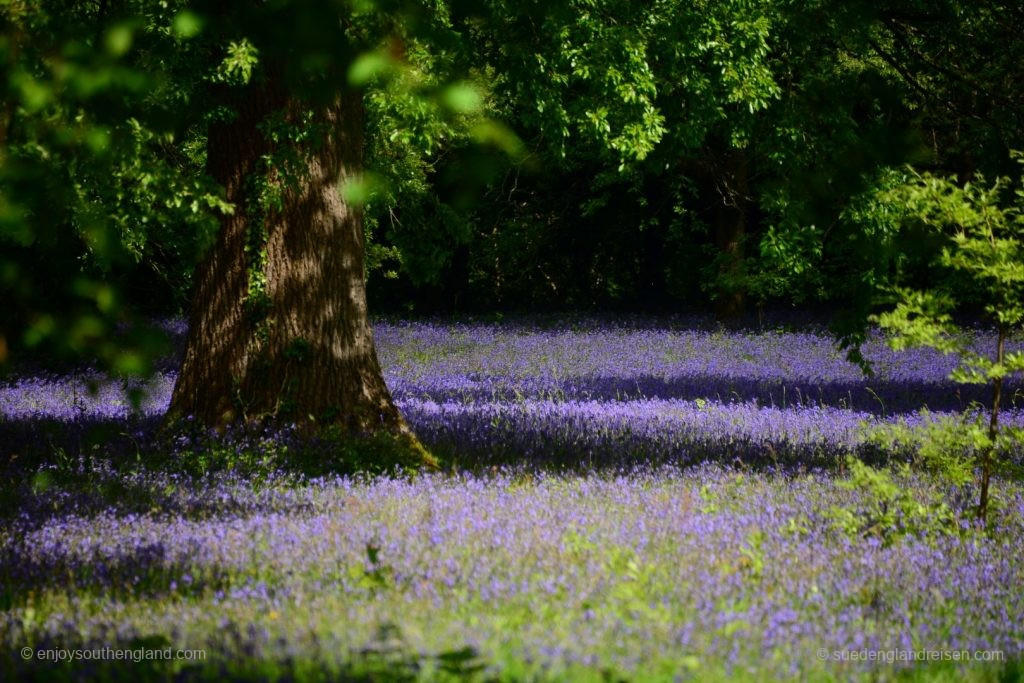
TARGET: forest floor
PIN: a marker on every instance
(642, 499)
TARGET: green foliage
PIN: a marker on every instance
(884, 508)
(940, 445)
(237, 67)
(612, 103)
(416, 113)
(983, 261)
(794, 89)
(985, 248)
(100, 185)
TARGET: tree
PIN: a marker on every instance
(279, 330)
(268, 98)
(279, 325)
(984, 260)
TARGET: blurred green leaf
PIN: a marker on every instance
(363, 188)
(187, 24)
(462, 98)
(491, 132)
(118, 39)
(370, 67)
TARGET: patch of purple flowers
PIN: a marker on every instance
(599, 394)
(655, 565)
(634, 572)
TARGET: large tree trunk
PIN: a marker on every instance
(283, 336)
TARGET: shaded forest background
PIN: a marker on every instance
(782, 127)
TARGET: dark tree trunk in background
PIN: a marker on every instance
(299, 350)
(730, 228)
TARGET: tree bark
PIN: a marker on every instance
(730, 230)
(279, 331)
